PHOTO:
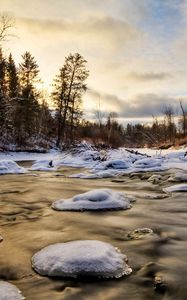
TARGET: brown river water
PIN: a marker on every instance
(27, 224)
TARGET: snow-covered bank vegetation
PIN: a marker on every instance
(98, 163)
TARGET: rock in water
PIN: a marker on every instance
(140, 233)
(100, 199)
(81, 258)
(155, 179)
(9, 291)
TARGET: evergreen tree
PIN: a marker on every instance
(28, 103)
(12, 97)
(46, 121)
(12, 78)
(2, 91)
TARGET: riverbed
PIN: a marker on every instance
(28, 224)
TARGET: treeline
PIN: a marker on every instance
(26, 121)
(170, 129)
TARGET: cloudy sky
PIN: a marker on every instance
(136, 49)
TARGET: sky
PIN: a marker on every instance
(136, 49)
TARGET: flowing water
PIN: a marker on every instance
(28, 224)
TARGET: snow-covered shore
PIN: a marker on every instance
(101, 163)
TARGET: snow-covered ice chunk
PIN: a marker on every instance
(176, 188)
(9, 291)
(10, 167)
(147, 163)
(99, 199)
(43, 165)
(81, 258)
(178, 177)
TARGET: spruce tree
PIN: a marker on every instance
(12, 113)
(2, 91)
(12, 78)
(29, 106)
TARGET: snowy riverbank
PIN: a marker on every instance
(98, 163)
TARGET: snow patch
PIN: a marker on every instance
(117, 164)
(148, 163)
(43, 165)
(99, 199)
(81, 258)
(10, 167)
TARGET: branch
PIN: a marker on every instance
(6, 23)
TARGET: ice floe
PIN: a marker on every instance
(176, 188)
(98, 199)
(9, 291)
(81, 258)
(10, 167)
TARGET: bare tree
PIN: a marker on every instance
(6, 23)
(99, 114)
(184, 117)
(169, 118)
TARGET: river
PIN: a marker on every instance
(28, 224)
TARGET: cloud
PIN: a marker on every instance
(140, 106)
(106, 29)
(103, 102)
(149, 76)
